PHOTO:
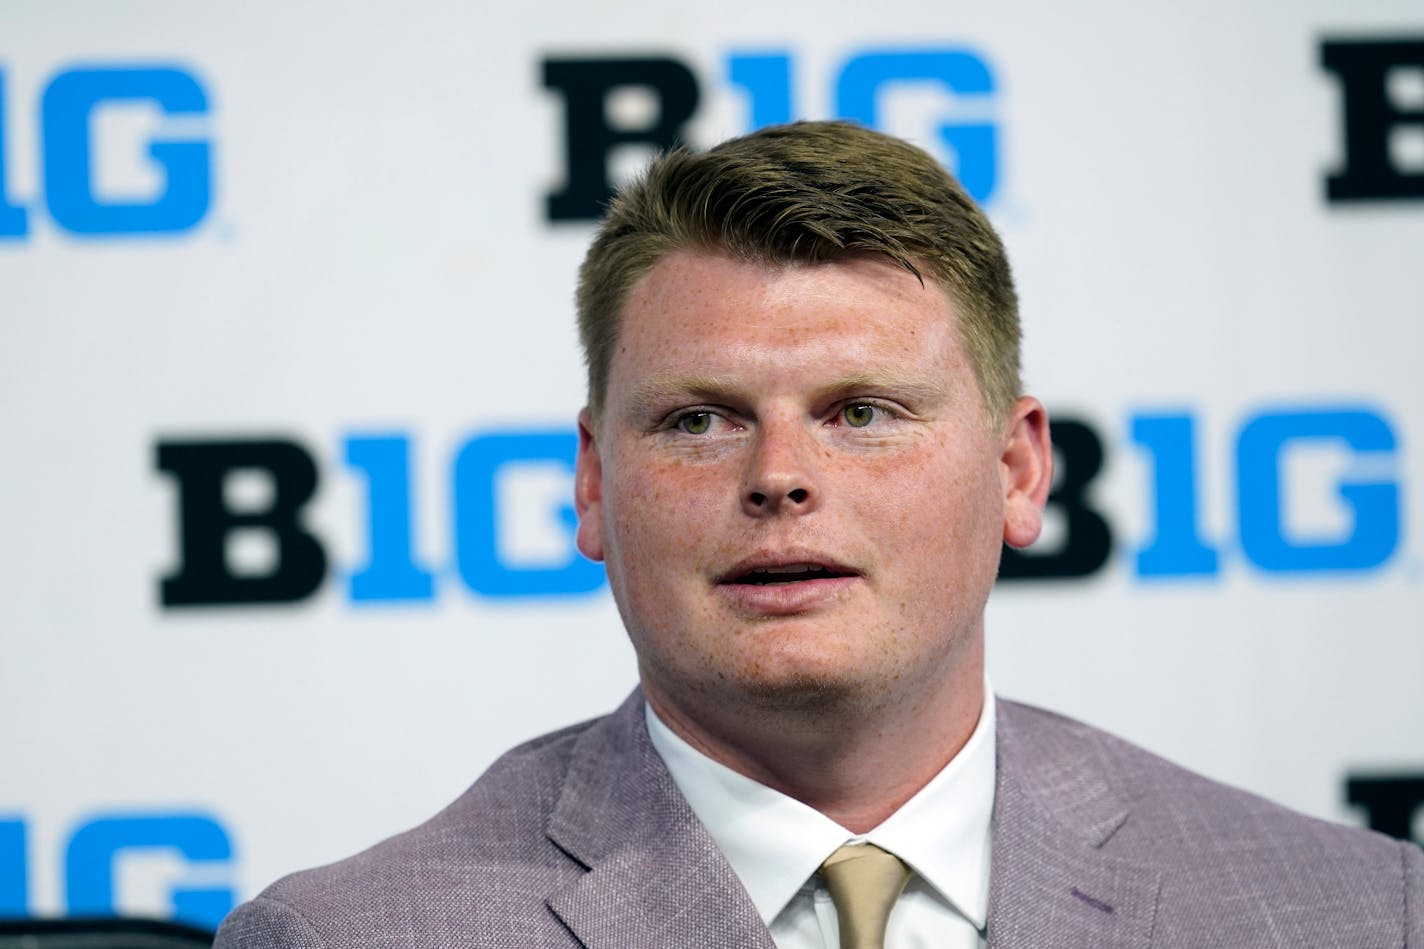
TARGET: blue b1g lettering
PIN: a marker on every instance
(1370, 493)
(69, 153)
(89, 864)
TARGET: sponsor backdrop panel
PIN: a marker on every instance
(290, 379)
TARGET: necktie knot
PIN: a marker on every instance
(864, 882)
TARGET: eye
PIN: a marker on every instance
(695, 423)
(858, 414)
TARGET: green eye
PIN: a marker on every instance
(695, 423)
(858, 414)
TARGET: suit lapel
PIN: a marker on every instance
(1051, 882)
(655, 878)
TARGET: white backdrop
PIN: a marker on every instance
(327, 225)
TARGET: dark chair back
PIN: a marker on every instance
(105, 933)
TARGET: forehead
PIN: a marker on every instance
(712, 312)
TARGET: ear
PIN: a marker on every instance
(1026, 467)
(588, 490)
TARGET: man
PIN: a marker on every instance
(804, 446)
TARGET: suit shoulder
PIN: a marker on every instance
(1226, 857)
(488, 848)
(1206, 862)
(267, 924)
(1152, 786)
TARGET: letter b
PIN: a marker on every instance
(1087, 539)
(205, 520)
(589, 136)
(1372, 115)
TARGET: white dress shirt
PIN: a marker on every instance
(775, 844)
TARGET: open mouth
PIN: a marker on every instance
(789, 573)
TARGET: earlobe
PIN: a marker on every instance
(588, 490)
(1027, 469)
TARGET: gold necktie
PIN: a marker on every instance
(864, 882)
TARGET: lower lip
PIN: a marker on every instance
(785, 599)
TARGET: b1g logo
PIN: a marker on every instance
(511, 515)
(108, 863)
(512, 523)
(1359, 440)
(864, 88)
(83, 193)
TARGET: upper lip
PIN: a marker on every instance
(786, 562)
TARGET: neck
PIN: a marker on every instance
(857, 762)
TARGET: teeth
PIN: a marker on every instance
(789, 568)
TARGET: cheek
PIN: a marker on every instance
(938, 509)
(652, 513)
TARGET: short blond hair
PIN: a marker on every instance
(808, 192)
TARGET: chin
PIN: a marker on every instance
(802, 689)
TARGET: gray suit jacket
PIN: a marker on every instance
(580, 838)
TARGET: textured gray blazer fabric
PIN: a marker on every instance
(580, 838)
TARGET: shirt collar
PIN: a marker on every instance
(774, 843)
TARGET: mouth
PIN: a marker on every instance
(780, 574)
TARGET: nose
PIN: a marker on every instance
(781, 474)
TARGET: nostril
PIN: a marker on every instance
(797, 495)
(758, 498)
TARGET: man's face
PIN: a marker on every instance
(795, 486)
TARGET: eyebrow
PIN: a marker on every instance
(889, 383)
(653, 394)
